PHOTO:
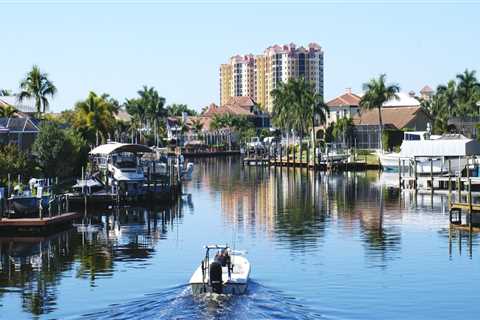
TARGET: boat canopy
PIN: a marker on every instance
(116, 147)
(446, 146)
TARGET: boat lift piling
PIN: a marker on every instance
(431, 176)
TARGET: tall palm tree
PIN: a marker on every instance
(298, 106)
(153, 103)
(36, 85)
(377, 92)
(95, 115)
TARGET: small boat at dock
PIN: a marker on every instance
(31, 200)
(227, 272)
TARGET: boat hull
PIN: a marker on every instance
(234, 282)
(27, 205)
(390, 162)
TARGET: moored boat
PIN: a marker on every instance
(432, 154)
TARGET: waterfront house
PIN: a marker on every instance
(343, 106)
(19, 131)
(183, 134)
(242, 106)
(403, 114)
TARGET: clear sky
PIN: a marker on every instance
(177, 47)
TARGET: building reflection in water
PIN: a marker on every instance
(33, 266)
(295, 207)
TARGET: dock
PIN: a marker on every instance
(37, 225)
(318, 165)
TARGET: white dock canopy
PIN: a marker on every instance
(116, 147)
(446, 146)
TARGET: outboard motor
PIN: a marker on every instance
(216, 277)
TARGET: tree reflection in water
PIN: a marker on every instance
(33, 266)
(296, 206)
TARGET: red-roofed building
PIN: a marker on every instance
(345, 105)
(243, 106)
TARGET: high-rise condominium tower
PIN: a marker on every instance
(256, 76)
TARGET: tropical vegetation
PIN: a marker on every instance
(458, 98)
(297, 107)
(58, 152)
(177, 110)
(15, 162)
(5, 93)
(94, 118)
(377, 92)
(37, 86)
(7, 111)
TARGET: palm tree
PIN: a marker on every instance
(177, 110)
(196, 125)
(468, 92)
(219, 122)
(377, 92)
(5, 93)
(298, 106)
(36, 85)
(95, 115)
(448, 95)
(7, 111)
(153, 103)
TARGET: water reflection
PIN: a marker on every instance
(287, 213)
(294, 206)
(32, 267)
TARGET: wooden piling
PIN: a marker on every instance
(399, 174)
(431, 174)
(415, 182)
(470, 203)
(308, 157)
(294, 155)
(459, 191)
(449, 183)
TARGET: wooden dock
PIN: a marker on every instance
(37, 225)
(321, 166)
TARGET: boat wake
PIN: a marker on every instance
(259, 302)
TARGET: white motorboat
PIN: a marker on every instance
(435, 154)
(119, 166)
(226, 273)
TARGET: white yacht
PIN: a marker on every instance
(431, 152)
(119, 164)
(226, 273)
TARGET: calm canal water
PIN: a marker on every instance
(339, 246)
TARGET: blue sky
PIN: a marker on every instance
(116, 47)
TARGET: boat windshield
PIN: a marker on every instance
(415, 136)
(126, 164)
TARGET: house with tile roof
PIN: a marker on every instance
(395, 119)
(243, 106)
(402, 113)
(343, 106)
